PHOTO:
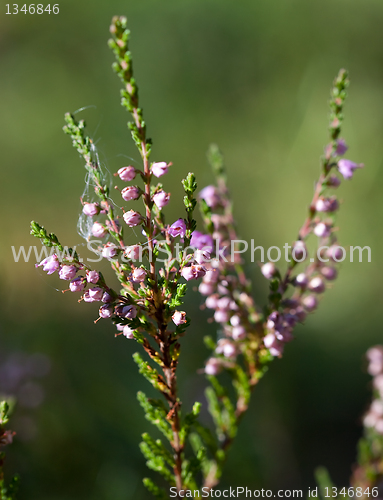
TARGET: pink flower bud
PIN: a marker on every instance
(92, 277)
(179, 318)
(317, 285)
(130, 193)
(133, 252)
(76, 285)
(161, 199)
(212, 302)
(322, 230)
(139, 275)
(268, 270)
(192, 272)
(98, 230)
(235, 320)
(224, 303)
(275, 347)
(226, 348)
(50, 264)
(341, 147)
(91, 209)
(127, 173)
(238, 333)
(335, 252)
(159, 168)
(310, 302)
(128, 332)
(299, 251)
(211, 276)
(105, 311)
(95, 293)
(326, 204)
(178, 228)
(206, 288)
(333, 181)
(213, 366)
(330, 273)
(132, 218)
(221, 316)
(109, 251)
(210, 195)
(301, 280)
(129, 312)
(67, 272)
(107, 298)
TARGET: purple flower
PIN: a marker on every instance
(91, 209)
(238, 332)
(161, 199)
(322, 230)
(109, 251)
(301, 280)
(132, 218)
(178, 228)
(330, 273)
(317, 285)
(212, 302)
(133, 252)
(98, 230)
(273, 345)
(130, 193)
(95, 294)
(138, 275)
(77, 285)
(268, 270)
(221, 316)
(335, 252)
(67, 272)
(210, 195)
(206, 288)
(92, 276)
(326, 204)
(213, 366)
(226, 348)
(105, 311)
(129, 312)
(128, 332)
(50, 264)
(159, 168)
(127, 173)
(347, 167)
(310, 303)
(179, 318)
(333, 181)
(341, 147)
(107, 297)
(201, 241)
(192, 272)
(299, 251)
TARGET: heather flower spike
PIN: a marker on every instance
(145, 306)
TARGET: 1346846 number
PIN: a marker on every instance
(32, 8)
(351, 492)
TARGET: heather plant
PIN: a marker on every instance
(146, 304)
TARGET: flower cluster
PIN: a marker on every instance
(146, 308)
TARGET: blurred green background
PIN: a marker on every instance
(254, 77)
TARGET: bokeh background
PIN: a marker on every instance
(253, 77)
